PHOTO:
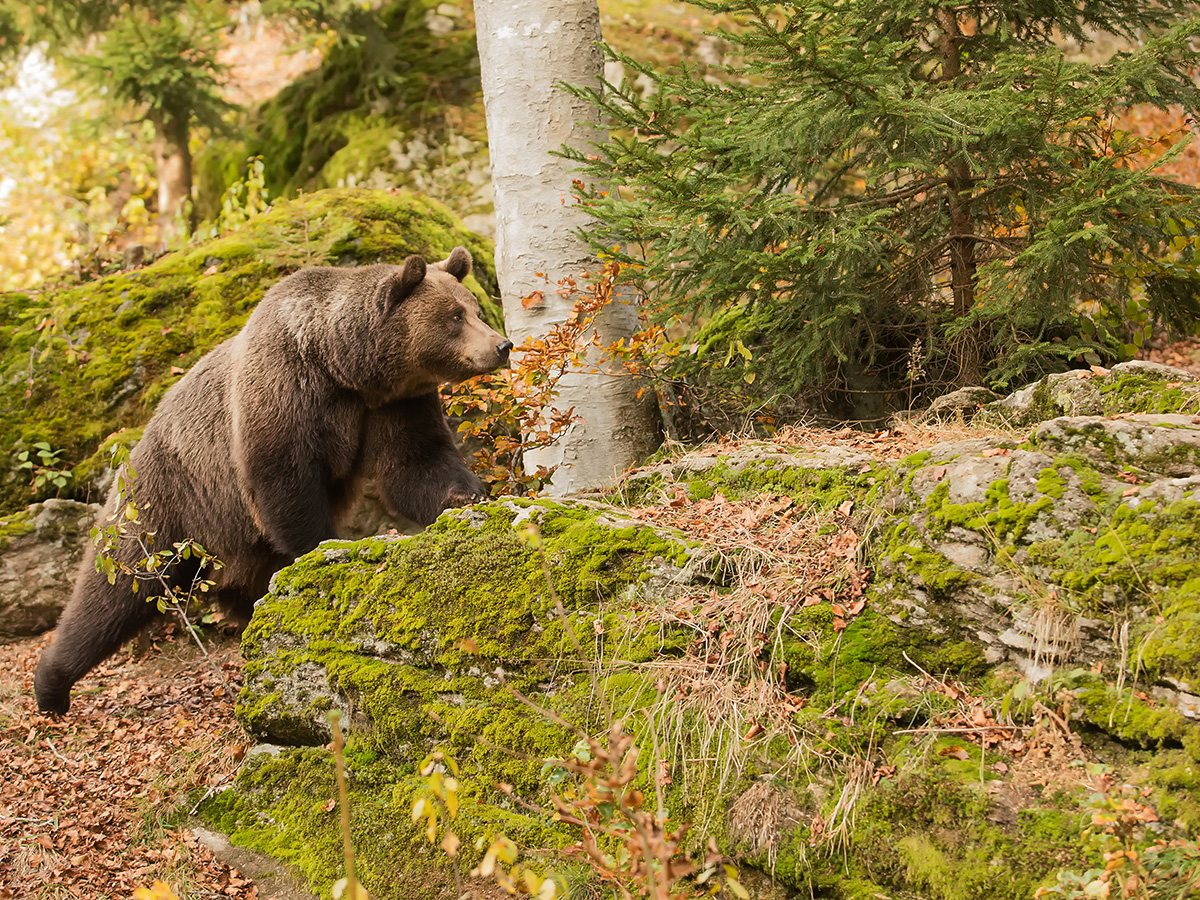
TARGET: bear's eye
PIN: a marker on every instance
(458, 317)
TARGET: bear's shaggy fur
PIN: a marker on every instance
(258, 449)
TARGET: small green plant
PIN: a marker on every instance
(125, 548)
(1137, 863)
(45, 467)
(348, 887)
(243, 200)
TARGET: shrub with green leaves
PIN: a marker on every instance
(862, 176)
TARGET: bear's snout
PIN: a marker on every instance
(502, 349)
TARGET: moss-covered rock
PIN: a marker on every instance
(40, 550)
(432, 641)
(1129, 387)
(77, 365)
(1002, 573)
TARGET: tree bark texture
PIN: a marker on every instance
(174, 170)
(962, 226)
(527, 50)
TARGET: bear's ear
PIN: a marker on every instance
(458, 263)
(405, 283)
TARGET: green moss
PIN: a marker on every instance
(119, 343)
(1147, 394)
(465, 597)
(937, 839)
(1143, 555)
(15, 525)
(1175, 775)
(915, 460)
(1129, 718)
(996, 515)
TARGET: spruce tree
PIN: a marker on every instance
(897, 188)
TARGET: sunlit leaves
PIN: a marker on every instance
(76, 180)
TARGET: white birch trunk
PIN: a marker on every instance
(526, 48)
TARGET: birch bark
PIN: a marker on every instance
(527, 49)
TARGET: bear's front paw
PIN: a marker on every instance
(464, 493)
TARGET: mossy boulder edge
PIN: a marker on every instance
(999, 572)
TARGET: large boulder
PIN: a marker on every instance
(451, 639)
(40, 550)
(960, 633)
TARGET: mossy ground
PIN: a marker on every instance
(434, 639)
(935, 828)
(76, 365)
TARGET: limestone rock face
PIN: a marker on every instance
(964, 401)
(1004, 612)
(1129, 387)
(40, 550)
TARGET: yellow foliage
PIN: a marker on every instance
(67, 186)
(159, 891)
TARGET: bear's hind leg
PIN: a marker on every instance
(99, 618)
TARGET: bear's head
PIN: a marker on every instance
(431, 325)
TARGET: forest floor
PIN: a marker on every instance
(95, 805)
(98, 804)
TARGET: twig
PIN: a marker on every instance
(904, 653)
(964, 729)
(54, 750)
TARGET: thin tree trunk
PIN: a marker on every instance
(969, 351)
(174, 171)
(527, 49)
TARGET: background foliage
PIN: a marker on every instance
(889, 198)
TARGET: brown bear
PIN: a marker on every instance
(332, 383)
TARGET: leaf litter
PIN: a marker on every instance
(95, 805)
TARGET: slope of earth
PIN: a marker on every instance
(862, 675)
